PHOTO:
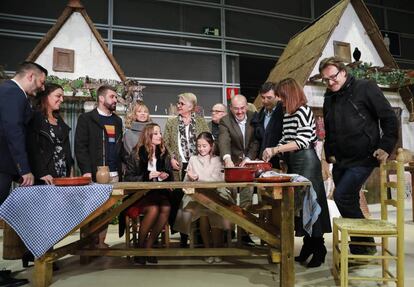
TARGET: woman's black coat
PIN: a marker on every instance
(40, 147)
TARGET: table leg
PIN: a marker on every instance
(287, 266)
(85, 232)
(43, 272)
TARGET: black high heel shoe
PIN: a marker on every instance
(319, 253)
(306, 251)
(26, 258)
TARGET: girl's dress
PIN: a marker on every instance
(208, 169)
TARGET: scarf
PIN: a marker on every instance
(188, 145)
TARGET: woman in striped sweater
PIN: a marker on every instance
(297, 147)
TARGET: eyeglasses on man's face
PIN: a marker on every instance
(330, 78)
(216, 111)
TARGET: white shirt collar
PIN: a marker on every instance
(102, 113)
(242, 122)
(17, 83)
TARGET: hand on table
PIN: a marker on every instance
(27, 179)
(228, 162)
(48, 179)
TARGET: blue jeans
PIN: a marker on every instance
(348, 183)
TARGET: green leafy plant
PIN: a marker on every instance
(382, 75)
(87, 85)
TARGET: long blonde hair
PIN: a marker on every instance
(131, 115)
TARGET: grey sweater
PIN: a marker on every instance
(132, 135)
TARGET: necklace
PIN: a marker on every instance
(52, 120)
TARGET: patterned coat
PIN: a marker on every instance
(171, 136)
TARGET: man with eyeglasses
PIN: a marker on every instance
(361, 131)
(217, 112)
(268, 122)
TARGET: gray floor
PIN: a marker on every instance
(106, 271)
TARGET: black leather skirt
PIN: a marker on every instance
(306, 163)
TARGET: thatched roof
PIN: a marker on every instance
(305, 48)
(74, 6)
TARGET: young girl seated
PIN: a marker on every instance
(204, 167)
(149, 161)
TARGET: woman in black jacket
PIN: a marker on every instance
(48, 143)
(48, 138)
(149, 161)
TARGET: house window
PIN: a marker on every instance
(63, 60)
(342, 50)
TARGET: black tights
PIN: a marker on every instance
(155, 218)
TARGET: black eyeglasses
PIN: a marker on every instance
(331, 78)
(216, 111)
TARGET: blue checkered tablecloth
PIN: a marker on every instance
(42, 215)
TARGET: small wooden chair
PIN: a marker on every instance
(382, 228)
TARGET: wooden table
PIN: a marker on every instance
(410, 168)
(278, 233)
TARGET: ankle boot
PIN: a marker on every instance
(306, 250)
(319, 252)
(27, 258)
(183, 240)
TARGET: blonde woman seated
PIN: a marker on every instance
(204, 167)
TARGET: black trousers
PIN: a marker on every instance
(5, 185)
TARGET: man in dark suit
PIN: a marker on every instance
(237, 144)
(15, 114)
(268, 122)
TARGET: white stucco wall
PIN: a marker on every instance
(90, 58)
(315, 98)
(351, 30)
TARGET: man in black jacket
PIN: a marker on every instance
(268, 122)
(354, 111)
(98, 140)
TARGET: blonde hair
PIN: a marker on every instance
(190, 98)
(131, 115)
